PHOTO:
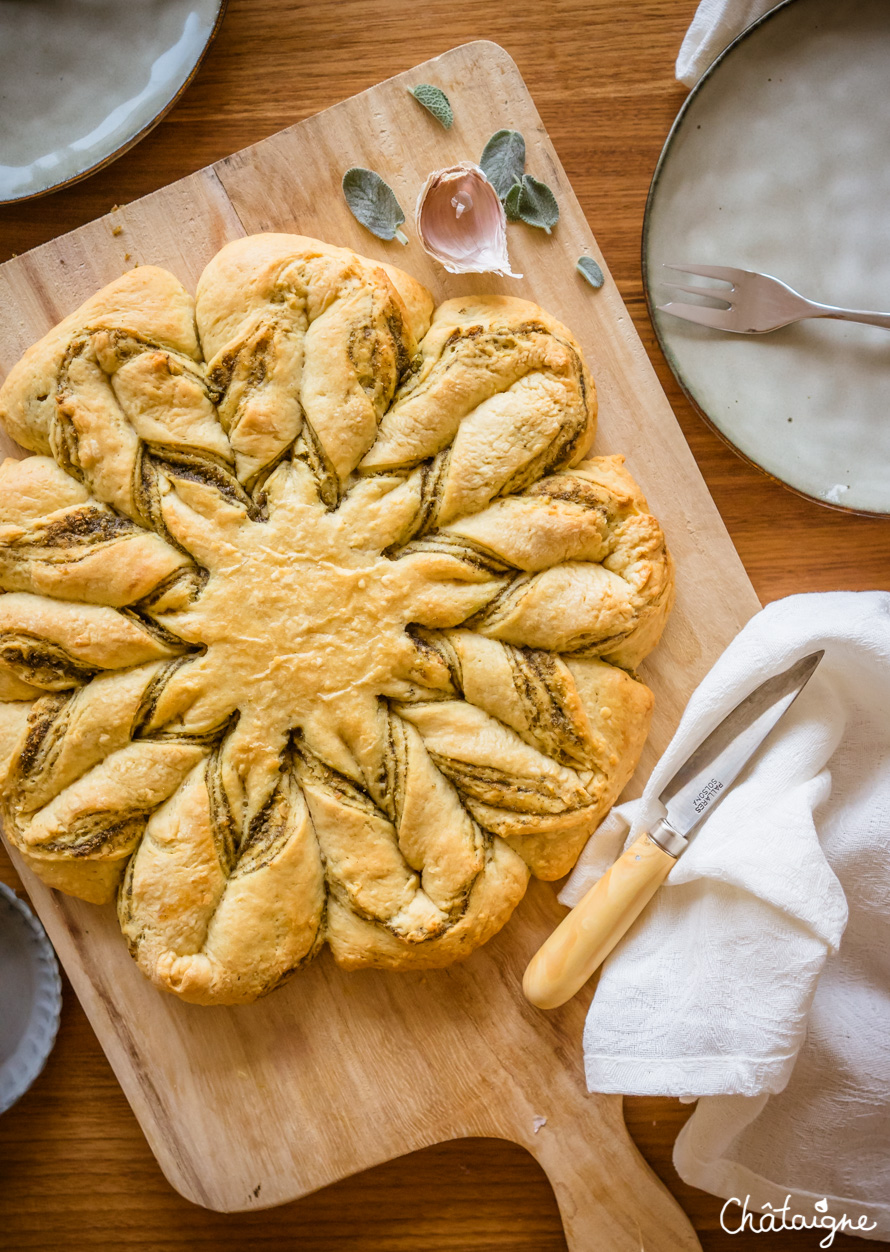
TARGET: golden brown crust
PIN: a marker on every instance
(147, 302)
(330, 333)
(316, 628)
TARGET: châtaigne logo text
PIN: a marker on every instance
(736, 1217)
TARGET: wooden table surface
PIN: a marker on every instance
(78, 1173)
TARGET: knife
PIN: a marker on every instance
(583, 939)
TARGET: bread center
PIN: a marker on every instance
(318, 617)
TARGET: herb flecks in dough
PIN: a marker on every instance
(316, 627)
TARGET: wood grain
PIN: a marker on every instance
(601, 76)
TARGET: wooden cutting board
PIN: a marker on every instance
(253, 1106)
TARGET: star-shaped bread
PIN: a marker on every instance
(318, 623)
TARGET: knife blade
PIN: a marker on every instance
(713, 767)
(584, 938)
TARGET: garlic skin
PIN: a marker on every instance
(461, 222)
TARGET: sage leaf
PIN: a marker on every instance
(536, 204)
(511, 203)
(503, 160)
(373, 203)
(434, 101)
(587, 267)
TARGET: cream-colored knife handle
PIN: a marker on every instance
(583, 940)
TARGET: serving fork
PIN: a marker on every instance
(755, 303)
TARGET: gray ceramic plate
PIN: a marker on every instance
(779, 161)
(83, 80)
(30, 997)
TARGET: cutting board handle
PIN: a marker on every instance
(598, 1209)
(609, 1199)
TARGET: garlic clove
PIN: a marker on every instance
(461, 222)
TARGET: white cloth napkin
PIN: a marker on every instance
(759, 977)
(715, 25)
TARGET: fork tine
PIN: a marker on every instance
(713, 293)
(726, 273)
(718, 319)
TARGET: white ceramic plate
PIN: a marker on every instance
(779, 161)
(83, 80)
(30, 997)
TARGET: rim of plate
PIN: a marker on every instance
(25, 1066)
(650, 304)
(138, 135)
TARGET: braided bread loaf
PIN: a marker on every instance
(316, 626)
